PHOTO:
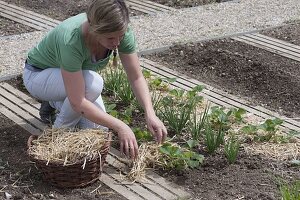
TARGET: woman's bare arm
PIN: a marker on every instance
(75, 88)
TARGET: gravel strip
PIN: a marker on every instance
(213, 20)
(13, 51)
(191, 24)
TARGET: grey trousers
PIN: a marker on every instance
(48, 85)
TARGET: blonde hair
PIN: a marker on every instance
(107, 16)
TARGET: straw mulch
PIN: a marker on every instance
(280, 152)
(149, 155)
(68, 147)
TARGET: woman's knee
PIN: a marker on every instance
(93, 84)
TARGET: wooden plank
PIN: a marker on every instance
(170, 189)
(21, 95)
(137, 188)
(33, 111)
(168, 185)
(222, 99)
(276, 40)
(18, 120)
(121, 189)
(146, 9)
(150, 4)
(267, 45)
(277, 47)
(22, 113)
(112, 159)
(22, 21)
(285, 46)
(142, 10)
(33, 21)
(31, 13)
(23, 15)
(296, 58)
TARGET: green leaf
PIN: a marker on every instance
(146, 73)
(192, 143)
(249, 129)
(295, 162)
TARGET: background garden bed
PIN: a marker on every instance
(289, 33)
(9, 27)
(261, 77)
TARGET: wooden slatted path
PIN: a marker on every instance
(148, 7)
(216, 96)
(23, 110)
(271, 44)
(42, 22)
(26, 17)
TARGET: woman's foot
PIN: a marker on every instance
(47, 113)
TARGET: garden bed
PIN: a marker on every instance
(261, 77)
(9, 27)
(289, 33)
(256, 174)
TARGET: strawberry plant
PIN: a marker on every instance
(269, 128)
(179, 158)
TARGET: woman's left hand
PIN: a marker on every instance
(157, 128)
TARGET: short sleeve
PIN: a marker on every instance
(128, 43)
(70, 54)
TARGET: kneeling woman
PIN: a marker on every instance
(61, 71)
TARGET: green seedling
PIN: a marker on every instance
(269, 127)
(237, 113)
(142, 135)
(197, 124)
(110, 109)
(231, 149)
(212, 138)
(176, 108)
(126, 115)
(291, 191)
(179, 158)
(118, 85)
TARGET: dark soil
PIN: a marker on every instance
(263, 78)
(251, 177)
(290, 33)
(9, 27)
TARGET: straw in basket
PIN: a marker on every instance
(59, 172)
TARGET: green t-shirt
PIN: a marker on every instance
(64, 47)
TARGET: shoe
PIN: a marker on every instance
(47, 113)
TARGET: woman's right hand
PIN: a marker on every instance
(128, 143)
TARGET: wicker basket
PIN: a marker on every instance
(72, 176)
